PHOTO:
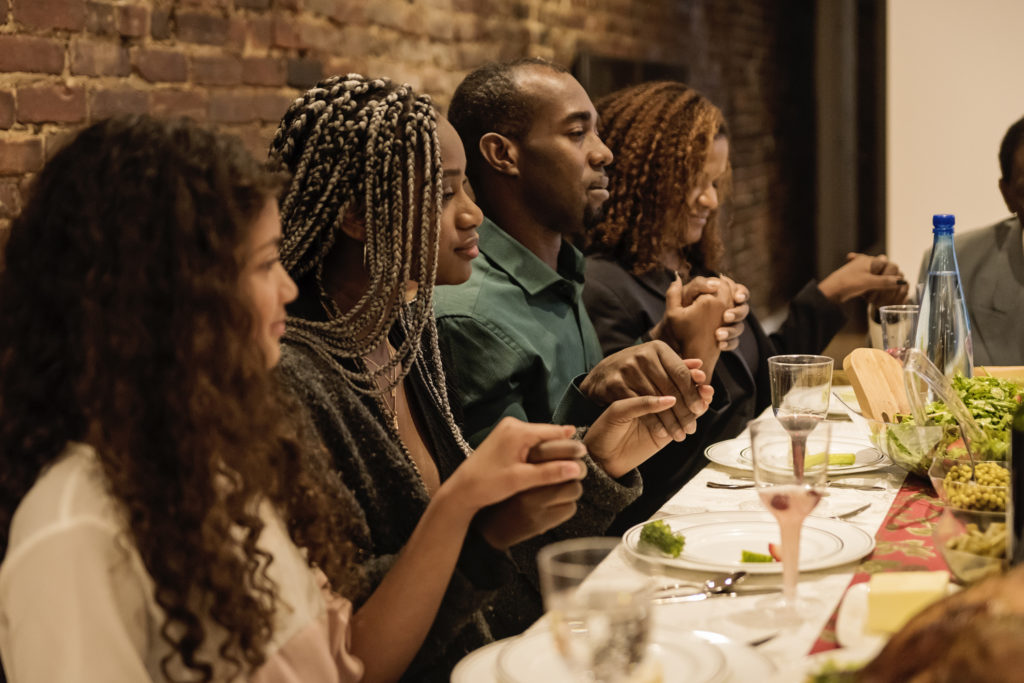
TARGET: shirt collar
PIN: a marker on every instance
(525, 268)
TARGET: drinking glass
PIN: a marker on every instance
(801, 388)
(601, 625)
(790, 486)
(898, 326)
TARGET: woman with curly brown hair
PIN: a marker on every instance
(158, 517)
(653, 262)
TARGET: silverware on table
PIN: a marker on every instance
(833, 484)
(851, 513)
(729, 585)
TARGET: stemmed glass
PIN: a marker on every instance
(790, 486)
(601, 626)
(801, 388)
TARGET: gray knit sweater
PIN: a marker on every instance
(491, 594)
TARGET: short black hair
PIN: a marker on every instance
(488, 100)
(1012, 141)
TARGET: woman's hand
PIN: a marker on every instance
(694, 320)
(500, 467)
(620, 439)
(536, 510)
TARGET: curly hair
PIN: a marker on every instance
(661, 134)
(366, 147)
(123, 325)
(487, 100)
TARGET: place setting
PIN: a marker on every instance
(602, 627)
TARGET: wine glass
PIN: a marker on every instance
(790, 486)
(601, 625)
(801, 388)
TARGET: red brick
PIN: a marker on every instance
(24, 53)
(20, 156)
(200, 27)
(160, 24)
(304, 73)
(6, 109)
(132, 20)
(10, 198)
(267, 71)
(216, 70)
(286, 33)
(190, 103)
(67, 14)
(237, 32)
(104, 103)
(234, 107)
(261, 32)
(100, 19)
(98, 58)
(161, 65)
(57, 102)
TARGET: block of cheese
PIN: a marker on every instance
(894, 597)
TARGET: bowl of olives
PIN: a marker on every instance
(986, 491)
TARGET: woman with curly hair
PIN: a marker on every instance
(653, 261)
(158, 517)
(376, 214)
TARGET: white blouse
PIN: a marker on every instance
(77, 604)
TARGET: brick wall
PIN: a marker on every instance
(235, 65)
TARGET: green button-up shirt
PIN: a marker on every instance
(517, 332)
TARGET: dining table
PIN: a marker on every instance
(879, 505)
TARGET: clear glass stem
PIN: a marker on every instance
(790, 532)
(799, 452)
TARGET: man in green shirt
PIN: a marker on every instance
(519, 337)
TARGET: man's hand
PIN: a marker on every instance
(875, 277)
(653, 369)
(621, 439)
(534, 511)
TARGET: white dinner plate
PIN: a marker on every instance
(735, 453)
(684, 658)
(851, 621)
(715, 542)
(743, 662)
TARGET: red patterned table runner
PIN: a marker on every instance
(903, 543)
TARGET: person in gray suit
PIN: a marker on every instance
(991, 262)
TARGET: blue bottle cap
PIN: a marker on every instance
(943, 223)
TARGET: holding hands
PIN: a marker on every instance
(653, 369)
(875, 277)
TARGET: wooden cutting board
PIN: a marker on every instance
(877, 379)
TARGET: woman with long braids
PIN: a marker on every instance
(375, 215)
(659, 242)
(158, 517)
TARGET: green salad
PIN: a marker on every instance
(990, 400)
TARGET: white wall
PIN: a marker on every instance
(955, 83)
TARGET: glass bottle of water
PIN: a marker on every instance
(1015, 510)
(943, 327)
